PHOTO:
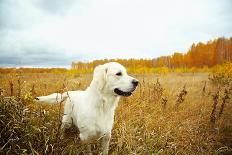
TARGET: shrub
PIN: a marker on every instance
(25, 129)
(222, 74)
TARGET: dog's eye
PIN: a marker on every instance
(119, 74)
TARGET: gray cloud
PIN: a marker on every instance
(21, 52)
(38, 58)
(7, 16)
(15, 50)
(15, 15)
(59, 7)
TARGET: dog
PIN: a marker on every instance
(92, 110)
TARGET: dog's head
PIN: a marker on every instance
(112, 78)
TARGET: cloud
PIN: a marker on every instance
(56, 32)
(59, 7)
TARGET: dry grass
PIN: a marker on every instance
(145, 123)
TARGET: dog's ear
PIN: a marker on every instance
(99, 76)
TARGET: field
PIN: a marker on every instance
(173, 113)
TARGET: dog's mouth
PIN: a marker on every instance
(123, 93)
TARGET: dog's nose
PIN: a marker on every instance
(135, 82)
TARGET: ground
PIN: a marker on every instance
(168, 114)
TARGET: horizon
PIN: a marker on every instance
(88, 61)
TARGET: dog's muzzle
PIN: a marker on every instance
(123, 93)
(128, 93)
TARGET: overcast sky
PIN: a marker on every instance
(56, 32)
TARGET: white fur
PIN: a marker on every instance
(92, 110)
(53, 98)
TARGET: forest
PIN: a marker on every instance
(199, 55)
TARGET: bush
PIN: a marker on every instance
(222, 74)
(25, 129)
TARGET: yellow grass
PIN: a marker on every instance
(142, 125)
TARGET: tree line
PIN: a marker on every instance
(129, 63)
(199, 55)
(209, 54)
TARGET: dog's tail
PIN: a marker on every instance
(52, 98)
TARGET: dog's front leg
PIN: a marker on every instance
(105, 143)
(66, 123)
(85, 140)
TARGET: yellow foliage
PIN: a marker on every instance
(225, 69)
(162, 70)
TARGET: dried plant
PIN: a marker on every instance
(204, 89)
(63, 89)
(164, 101)
(225, 99)
(33, 92)
(157, 91)
(215, 103)
(45, 88)
(142, 91)
(19, 89)
(181, 97)
(27, 130)
(11, 88)
(1, 91)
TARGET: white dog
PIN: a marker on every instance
(92, 110)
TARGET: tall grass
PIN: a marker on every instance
(145, 123)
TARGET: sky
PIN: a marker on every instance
(53, 33)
